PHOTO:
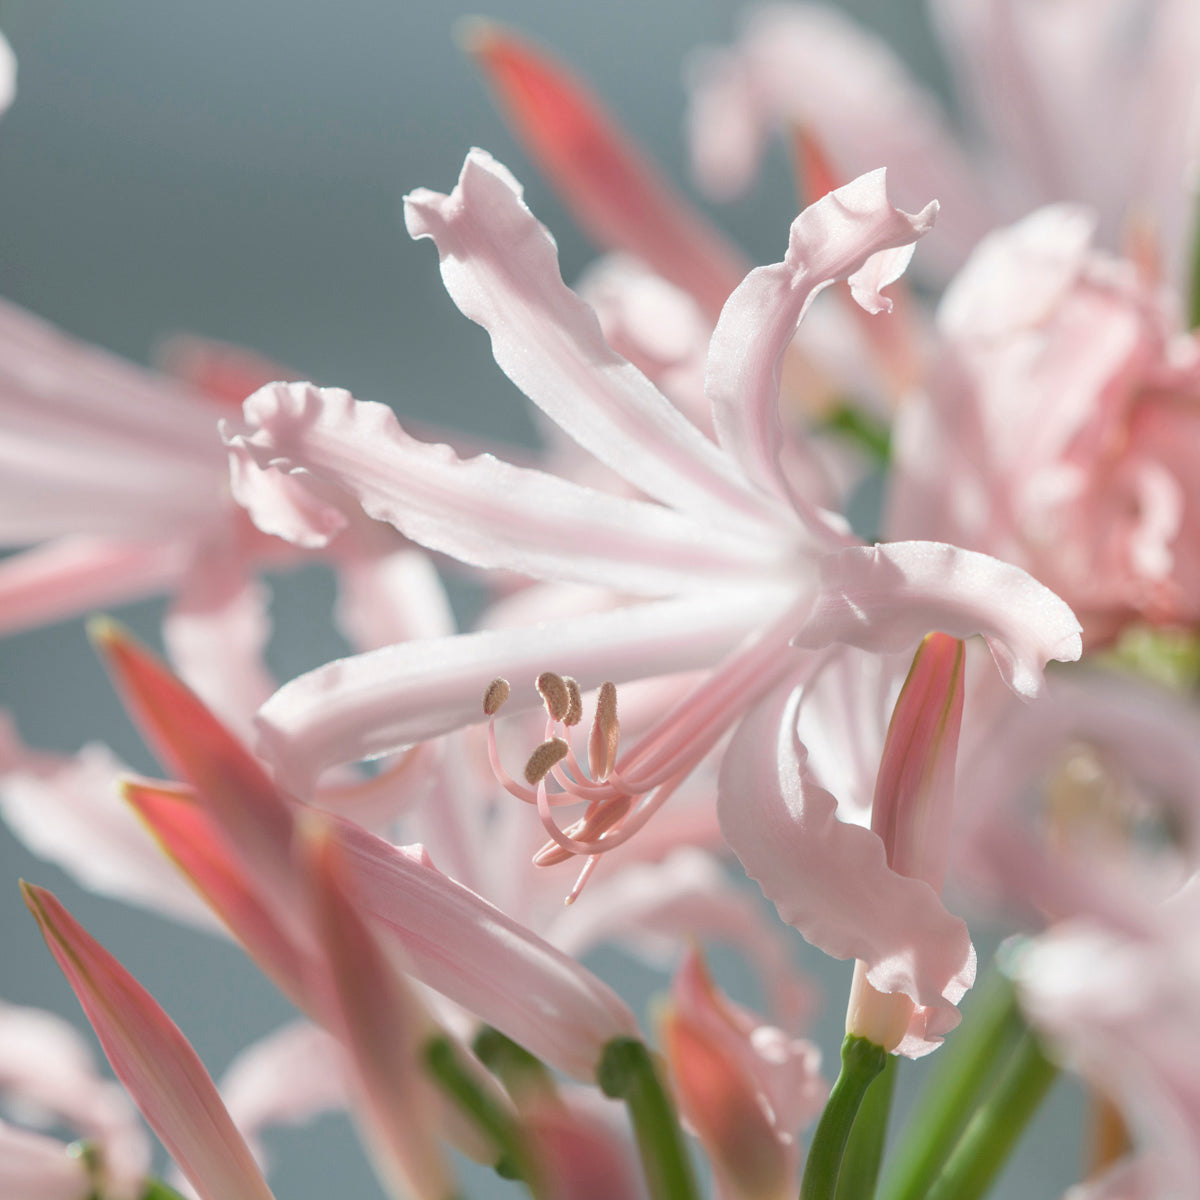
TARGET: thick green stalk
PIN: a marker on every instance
(864, 1150)
(967, 1066)
(997, 1124)
(627, 1072)
(862, 1061)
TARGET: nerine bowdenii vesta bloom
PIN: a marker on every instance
(718, 563)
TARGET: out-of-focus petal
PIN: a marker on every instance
(68, 811)
(36, 1167)
(216, 634)
(459, 945)
(286, 1078)
(810, 65)
(612, 190)
(481, 510)
(8, 74)
(500, 267)
(656, 907)
(133, 453)
(153, 1059)
(381, 1023)
(582, 1147)
(372, 704)
(72, 575)
(223, 372)
(888, 597)
(47, 1067)
(853, 233)
(830, 880)
(388, 598)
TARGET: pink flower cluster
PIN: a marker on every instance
(692, 670)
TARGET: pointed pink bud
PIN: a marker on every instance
(192, 841)
(610, 187)
(914, 799)
(196, 746)
(914, 790)
(744, 1087)
(382, 1024)
(152, 1059)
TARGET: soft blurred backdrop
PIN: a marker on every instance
(235, 169)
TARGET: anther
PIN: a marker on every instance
(606, 734)
(575, 707)
(555, 694)
(495, 695)
(543, 758)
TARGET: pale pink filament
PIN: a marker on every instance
(649, 773)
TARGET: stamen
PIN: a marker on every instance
(555, 694)
(575, 707)
(495, 695)
(588, 830)
(606, 733)
(543, 758)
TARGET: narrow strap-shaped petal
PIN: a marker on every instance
(852, 233)
(152, 1059)
(374, 703)
(133, 453)
(73, 575)
(460, 945)
(888, 597)
(830, 879)
(379, 1019)
(67, 810)
(481, 510)
(500, 267)
(610, 187)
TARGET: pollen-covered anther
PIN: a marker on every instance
(494, 696)
(606, 734)
(575, 707)
(544, 758)
(555, 694)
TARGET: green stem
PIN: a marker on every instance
(452, 1075)
(861, 1062)
(864, 1150)
(157, 1190)
(521, 1073)
(997, 1124)
(627, 1072)
(967, 1066)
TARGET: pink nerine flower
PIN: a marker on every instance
(725, 553)
(1060, 428)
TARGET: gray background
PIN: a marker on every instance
(235, 169)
